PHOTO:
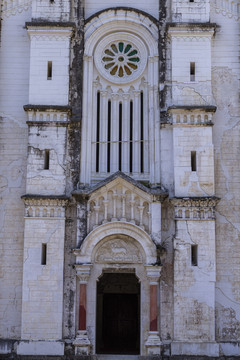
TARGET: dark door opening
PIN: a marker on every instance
(118, 314)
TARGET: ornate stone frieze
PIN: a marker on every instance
(47, 114)
(14, 7)
(228, 8)
(119, 204)
(37, 207)
(49, 31)
(195, 208)
(191, 115)
(118, 251)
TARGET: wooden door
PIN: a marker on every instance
(120, 325)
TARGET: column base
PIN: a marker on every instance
(82, 343)
(153, 343)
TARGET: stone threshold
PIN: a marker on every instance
(14, 356)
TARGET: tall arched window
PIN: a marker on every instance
(120, 106)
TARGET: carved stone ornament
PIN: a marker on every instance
(195, 208)
(82, 343)
(118, 251)
(195, 202)
(153, 343)
(83, 272)
(120, 57)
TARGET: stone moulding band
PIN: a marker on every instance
(53, 24)
(61, 108)
(38, 200)
(195, 208)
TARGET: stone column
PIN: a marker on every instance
(153, 343)
(82, 343)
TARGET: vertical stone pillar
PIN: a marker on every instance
(153, 343)
(82, 343)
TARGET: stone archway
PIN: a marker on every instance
(115, 248)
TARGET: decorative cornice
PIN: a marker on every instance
(48, 115)
(84, 191)
(47, 207)
(52, 24)
(205, 108)
(45, 200)
(48, 123)
(60, 108)
(195, 201)
(192, 26)
(192, 115)
(195, 208)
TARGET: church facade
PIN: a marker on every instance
(119, 181)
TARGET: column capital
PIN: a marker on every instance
(83, 272)
(153, 273)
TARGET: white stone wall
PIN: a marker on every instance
(194, 286)
(93, 6)
(14, 72)
(51, 181)
(42, 304)
(49, 45)
(57, 10)
(191, 45)
(197, 11)
(188, 182)
(226, 132)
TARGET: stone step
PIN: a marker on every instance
(117, 357)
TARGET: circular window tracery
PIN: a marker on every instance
(121, 59)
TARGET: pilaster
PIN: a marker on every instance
(82, 343)
(153, 343)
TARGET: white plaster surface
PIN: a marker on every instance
(49, 45)
(42, 301)
(40, 348)
(208, 349)
(93, 6)
(14, 78)
(39, 180)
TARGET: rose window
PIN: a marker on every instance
(120, 59)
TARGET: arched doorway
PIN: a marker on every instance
(118, 314)
(116, 270)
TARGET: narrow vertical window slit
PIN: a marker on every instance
(46, 159)
(194, 255)
(120, 139)
(97, 132)
(131, 138)
(44, 254)
(192, 71)
(109, 137)
(193, 161)
(49, 70)
(142, 136)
